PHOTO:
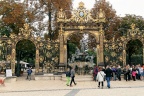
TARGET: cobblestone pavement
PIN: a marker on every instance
(59, 88)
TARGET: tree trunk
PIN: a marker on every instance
(130, 55)
(18, 63)
(49, 27)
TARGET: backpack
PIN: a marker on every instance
(68, 74)
(29, 71)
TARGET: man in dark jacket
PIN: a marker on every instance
(108, 73)
(119, 72)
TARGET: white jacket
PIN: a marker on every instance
(100, 76)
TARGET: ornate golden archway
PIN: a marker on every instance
(133, 34)
(13, 39)
(116, 47)
(81, 21)
(25, 33)
(46, 59)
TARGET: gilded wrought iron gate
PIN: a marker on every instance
(5, 53)
(113, 52)
(49, 55)
(47, 52)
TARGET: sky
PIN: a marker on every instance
(122, 7)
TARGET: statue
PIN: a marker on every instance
(91, 59)
(77, 51)
(73, 58)
(61, 14)
(82, 45)
(69, 61)
(101, 14)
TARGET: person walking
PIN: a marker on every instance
(114, 73)
(119, 72)
(100, 77)
(95, 71)
(72, 77)
(29, 71)
(108, 73)
(68, 75)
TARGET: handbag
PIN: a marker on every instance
(102, 76)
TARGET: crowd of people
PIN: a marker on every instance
(134, 72)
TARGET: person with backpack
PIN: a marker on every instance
(68, 74)
(29, 71)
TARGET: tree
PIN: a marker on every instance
(52, 7)
(128, 20)
(14, 16)
(26, 48)
(91, 42)
(71, 49)
(134, 46)
(112, 20)
(75, 39)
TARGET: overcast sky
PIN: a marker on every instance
(122, 7)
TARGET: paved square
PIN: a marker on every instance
(59, 88)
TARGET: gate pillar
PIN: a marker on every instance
(61, 50)
(124, 57)
(65, 54)
(37, 61)
(101, 56)
(97, 54)
(124, 54)
(13, 54)
(101, 40)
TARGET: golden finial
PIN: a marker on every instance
(133, 26)
(101, 14)
(81, 4)
(26, 31)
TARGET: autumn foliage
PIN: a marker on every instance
(14, 15)
(112, 20)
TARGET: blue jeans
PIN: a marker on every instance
(108, 81)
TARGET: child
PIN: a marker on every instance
(2, 81)
(134, 74)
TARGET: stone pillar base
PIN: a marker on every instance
(61, 67)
